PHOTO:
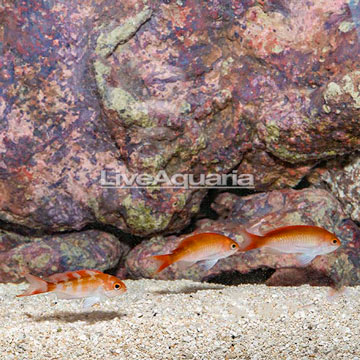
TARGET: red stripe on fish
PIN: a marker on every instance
(72, 275)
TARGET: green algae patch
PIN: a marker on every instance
(185, 151)
(350, 89)
(155, 163)
(101, 70)
(295, 157)
(119, 100)
(107, 42)
(185, 108)
(226, 65)
(195, 209)
(181, 200)
(94, 205)
(140, 218)
(273, 133)
(43, 259)
(277, 49)
(333, 90)
(345, 86)
(346, 26)
(128, 108)
(199, 144)
(283, 153)
(274, 144)
(326, 108)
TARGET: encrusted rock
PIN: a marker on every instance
(342, 178)
(183, 86)
(58, 253)
(272, 173)
(266, 211)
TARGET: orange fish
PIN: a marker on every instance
(92, 285)
(206, 247)
(304, 240)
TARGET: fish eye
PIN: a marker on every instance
(334, 241)
(233, 246)
(117, 286)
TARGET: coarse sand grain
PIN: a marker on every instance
(183, 320)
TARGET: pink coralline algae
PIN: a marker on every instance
(180, 86)
(268, 88)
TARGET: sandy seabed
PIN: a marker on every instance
(183, 320)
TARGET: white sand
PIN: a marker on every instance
(183, 320)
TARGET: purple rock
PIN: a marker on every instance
(271, 210)
(59, 253)
(185, 87)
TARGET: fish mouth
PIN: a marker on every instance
(232, 252)
(331, 249)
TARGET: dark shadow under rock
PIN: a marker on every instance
(297, 277)
(259, 276)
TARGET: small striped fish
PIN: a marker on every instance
(92, 285)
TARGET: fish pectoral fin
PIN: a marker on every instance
(273, 251)
(208, 264)
(61, 295)
(182, 265)
(90, 301)
(305, 259)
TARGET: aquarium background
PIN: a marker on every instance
(266, 88)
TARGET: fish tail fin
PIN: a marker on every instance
(37, 286)
(251, 241)
(163, 261)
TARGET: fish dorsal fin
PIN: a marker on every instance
(255, 228)
(251, 241)
(254, 231)
(72, 275)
